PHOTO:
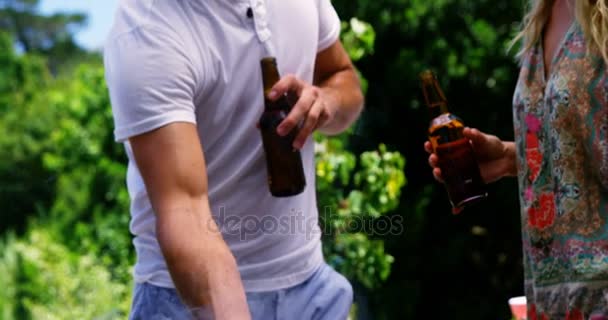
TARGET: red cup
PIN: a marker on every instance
(518, 307)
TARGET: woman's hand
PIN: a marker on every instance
(495, 157)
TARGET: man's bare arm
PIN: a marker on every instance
(201, 265)
(336, 75)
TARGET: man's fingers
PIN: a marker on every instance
(298, 112)
(286, 84)
(323, 119)
(312, 119)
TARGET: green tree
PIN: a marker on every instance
(65, 145)
(90, 212)
(49, 35)
(23, 129)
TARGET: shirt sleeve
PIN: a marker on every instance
(151, 82)
(329, 25)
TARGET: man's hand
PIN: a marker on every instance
(331, 104)
(496, 158)
(313, 110)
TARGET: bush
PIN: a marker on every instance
(45, 280)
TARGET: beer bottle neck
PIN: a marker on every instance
(270, 74)
(433, 95)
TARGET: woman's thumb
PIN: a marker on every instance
(476, 136)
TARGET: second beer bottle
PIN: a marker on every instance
(284, 163)
(459, 168)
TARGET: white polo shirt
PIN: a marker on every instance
(198, 61)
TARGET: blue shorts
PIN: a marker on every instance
(326, 295)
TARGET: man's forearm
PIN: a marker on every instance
(201, 265)
(343, 91)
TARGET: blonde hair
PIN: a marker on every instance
(591, 15)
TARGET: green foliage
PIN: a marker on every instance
(90, 169)
(20, 76)
(360, 259)
(65, 149)
(348, 208)
(46, 280)
(380, 180)
(48, 35)
(358, 38)
(23, 128)
(65, 169)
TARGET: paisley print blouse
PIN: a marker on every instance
(561, 129)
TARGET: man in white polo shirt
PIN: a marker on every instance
(186, 89)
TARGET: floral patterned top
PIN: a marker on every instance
(561, 129)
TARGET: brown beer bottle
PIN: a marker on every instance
(457, 162)
(283, 162)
